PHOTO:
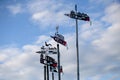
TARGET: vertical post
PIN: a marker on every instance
(44, 72)
(77, 46)
(47, 72)
(47, 66)
(52, 75)
(59, 76)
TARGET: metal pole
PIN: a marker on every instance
(59, 76)
(77, 46)
(47, 70)
(52, 75)
(44, 72)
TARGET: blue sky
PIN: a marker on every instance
(26, 24)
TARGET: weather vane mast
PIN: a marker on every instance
(57, 27)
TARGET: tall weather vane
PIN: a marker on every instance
(78, 16)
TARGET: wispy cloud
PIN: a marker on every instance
(15, 9)
(18, 63)
(48, 13)
(105, 57)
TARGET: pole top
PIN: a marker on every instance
(57, 27)
(75, 7)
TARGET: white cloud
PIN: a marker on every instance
(2, 57)
(41, 15)
(42, 39)
(48, 13)
(20, 64)
(110, 38)
(112, 13)
(107, 46)
(15, 9)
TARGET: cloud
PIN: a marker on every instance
(110, 39)
(111, 36)
(20, 63)
(48, 13)
(105, 58)
(112, 13)
(42, 39)
(2, 57)
(15, 9)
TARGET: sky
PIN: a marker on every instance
(26, 24)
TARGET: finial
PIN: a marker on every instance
(57, 27)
